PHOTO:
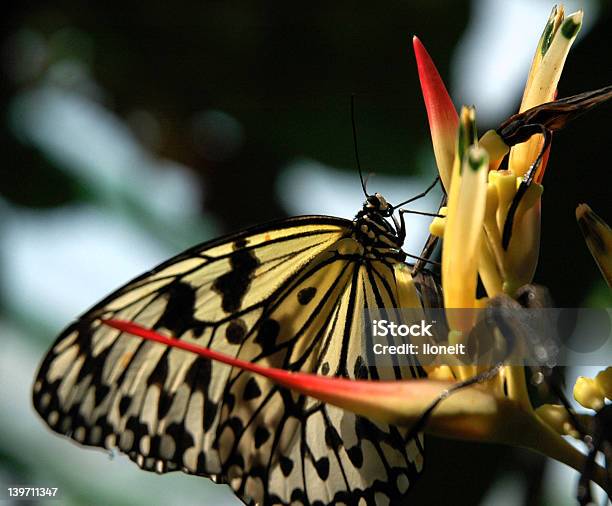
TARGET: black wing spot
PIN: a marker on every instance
(298, 496)
(251, 390)
(235, 460)
(201, 464)
(267, 334)
(229, 401)
(332, 438)
(286, 465)
(261, 436)
(178, 315)
(356, 456)
(305, 295)
(124, 404)
(233, 285)
(325, 368)
(322, 467)
(160, 373)
(235, 332)
(101, 392)
(199, 376)
(210, 412)
(183, 438)
(165, 401)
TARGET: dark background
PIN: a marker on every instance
(284, 73)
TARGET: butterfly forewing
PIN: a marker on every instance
(288, 294)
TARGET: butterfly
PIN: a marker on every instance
(287, 294)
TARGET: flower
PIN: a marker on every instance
(491, 225)
(506, 267)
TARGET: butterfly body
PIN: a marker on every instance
(381, 239)
(287, 294)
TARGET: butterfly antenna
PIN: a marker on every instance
(363, 183)
(420, 195)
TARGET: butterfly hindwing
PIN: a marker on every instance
(336, 457)
(289, 295)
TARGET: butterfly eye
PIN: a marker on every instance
(372, 202)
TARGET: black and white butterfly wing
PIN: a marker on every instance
(287, 295)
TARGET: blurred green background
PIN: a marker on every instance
(131, 131)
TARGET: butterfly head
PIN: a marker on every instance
(376, 203)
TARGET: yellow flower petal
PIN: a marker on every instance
(588, 393)
(552, 25)
(557, 418)
(521, 258)
(543, 80)
(463, 231)
(598, 237)
(604, 381)
(505, 183)
(488, 270)
(495, 146)
(438, 224)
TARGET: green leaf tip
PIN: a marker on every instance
(477, 158)
(570, 28)
(547, 35)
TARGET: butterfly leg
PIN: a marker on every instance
(401, 232)
(525, 183)
(421, 213)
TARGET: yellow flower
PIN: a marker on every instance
(491, 228)
(509, 247)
